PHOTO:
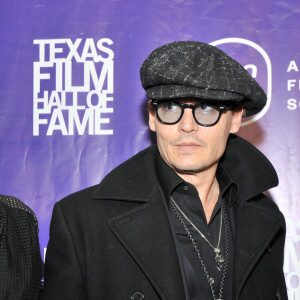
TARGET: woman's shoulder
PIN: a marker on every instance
(17, 207)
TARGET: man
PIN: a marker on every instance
(21, 265)
(185, 219)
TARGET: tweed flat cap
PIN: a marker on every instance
(199, 70)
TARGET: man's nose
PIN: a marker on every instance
(188, 122)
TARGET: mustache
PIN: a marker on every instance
(187, 138)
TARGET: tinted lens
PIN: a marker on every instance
(206, 114)
(169, 112)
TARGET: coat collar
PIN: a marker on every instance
(134, 179)
(248, 167)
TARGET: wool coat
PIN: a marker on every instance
(114, 240)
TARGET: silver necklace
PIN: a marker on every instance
(209, 279)
(218, 258)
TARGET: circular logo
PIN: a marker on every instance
(254, 70)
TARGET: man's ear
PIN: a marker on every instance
(151, 116)
(236, 120)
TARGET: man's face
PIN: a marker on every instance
(190, 148)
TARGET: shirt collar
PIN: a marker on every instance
(167, 177)
(228, 187)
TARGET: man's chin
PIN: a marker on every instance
(190, 169)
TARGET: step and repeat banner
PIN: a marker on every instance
(72, 106)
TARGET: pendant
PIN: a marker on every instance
(219, 260)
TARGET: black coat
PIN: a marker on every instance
(21, 265)
(114, 241)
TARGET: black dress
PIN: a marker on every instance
(21, 265)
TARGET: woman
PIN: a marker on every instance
(21, 266)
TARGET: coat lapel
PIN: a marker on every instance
(145, 233)
(255, 229)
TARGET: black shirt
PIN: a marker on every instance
(187, 198)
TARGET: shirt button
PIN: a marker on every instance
(186, 188)
(137, 295)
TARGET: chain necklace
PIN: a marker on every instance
(210, 280)
(218, 258)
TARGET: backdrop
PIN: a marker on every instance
(72, 106)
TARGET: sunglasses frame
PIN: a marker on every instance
(218, 107)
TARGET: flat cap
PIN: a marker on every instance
(198, 70)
